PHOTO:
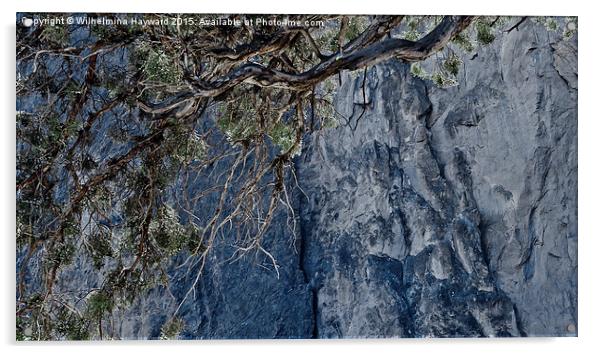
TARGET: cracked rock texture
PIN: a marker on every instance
(449, 212)
(436, 212)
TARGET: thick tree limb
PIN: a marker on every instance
(372, 53)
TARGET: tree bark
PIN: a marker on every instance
(364, 51)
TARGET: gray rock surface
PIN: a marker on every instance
(449, 212)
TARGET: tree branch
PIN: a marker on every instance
(371, 54)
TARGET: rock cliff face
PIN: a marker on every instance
(449, 212)
(436, 212)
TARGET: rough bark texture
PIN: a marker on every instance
(437, 212)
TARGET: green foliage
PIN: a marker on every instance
(417, 26)
(115, 33)
(24, 233)
(417, 71)
(125, 286)
(102, 196)
(166, 229)
(324, 106)
(21, 328)
(249, 117)
(452, 63)
(55, 35)
(283, 135)
(238, 119)
(462, 41)
(71, 127)
(73, 89)
(484, 32)
(61, 254)
(237, 129)
(194, 243)
(72, 326)
(172, 328)
(412, 33)
(441, 78)
(327, 40)
(551, 24)
(356, 25)
(330, 121)
(71, 228)
(324, 109)
(157, 65)
(99, 304)
(190, 148)
(55, 129)
(564, 26)
(570, 28)
(99, 246)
